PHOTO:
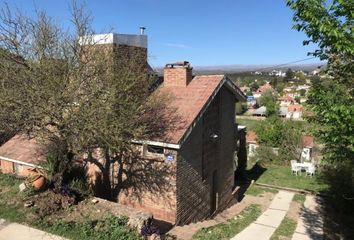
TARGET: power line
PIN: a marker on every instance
(284, 64)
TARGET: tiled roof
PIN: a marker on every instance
(186, 102)
(286, 98)
(295, 108)
(251, 137)
(22, 148)
(264, 88)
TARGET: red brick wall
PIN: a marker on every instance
(177, 76)
(15, 168)
(7, 167)
(152, 187)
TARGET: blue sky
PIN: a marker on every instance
(205, 32)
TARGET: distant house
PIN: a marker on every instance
(251, 139)
(278, 73)
(305, 87)
(262, 112)
(245, 89)
(306, 151)
(262, 89)
(251, 102)
(295, 111)
(286, 100)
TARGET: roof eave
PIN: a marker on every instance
(236, 90)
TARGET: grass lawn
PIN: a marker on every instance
(256, 191)
(249, 123)
(13, 210)
(231, 227)
(300, 198)
(286, 229)
(282, 176)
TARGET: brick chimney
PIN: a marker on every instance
(178, 74)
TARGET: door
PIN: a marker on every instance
(214, 193)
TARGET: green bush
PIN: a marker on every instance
(111, 227)
(231, 227)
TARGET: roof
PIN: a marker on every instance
(286, 98)
(308, 141)
(264, 88)
(23, 148)
(295, 108)
(188, 103)
(251, 137)
(260, 111)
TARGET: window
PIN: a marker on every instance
(154, 149)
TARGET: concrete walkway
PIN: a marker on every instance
(265, 225)
(310, 223)
(15, 231)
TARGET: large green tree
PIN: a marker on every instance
(329, 25)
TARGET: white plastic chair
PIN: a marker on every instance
(311, 170)
(294, 168)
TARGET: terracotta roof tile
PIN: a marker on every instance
(251, 137)
(185, 103)
(295, 108)
(308, 141)
(21, 148)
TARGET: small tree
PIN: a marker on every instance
(269, 100)
(70, 92)
(285, 135)
(254, 86)
(289, 75)
(302, 92)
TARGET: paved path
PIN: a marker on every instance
(265, 225)
(310, 223)
(15, 231)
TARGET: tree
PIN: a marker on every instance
(297, 99)
(269, 100)
(289, 75)
(254, 86)
(72, 93)
(301, 77)
(240, 108)
(329, 24)
(302, 92)
(275, 132)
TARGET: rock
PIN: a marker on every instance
(139, 220)
(28, 204)
(94, 201)
(154, 237)
(22, 187)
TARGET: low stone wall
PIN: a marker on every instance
(136, 218)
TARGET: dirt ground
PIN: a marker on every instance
(294, 211)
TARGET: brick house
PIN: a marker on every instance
(295, 111)
(188, 174)
(199, 151)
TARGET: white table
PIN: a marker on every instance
(303, 166)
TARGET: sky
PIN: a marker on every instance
(205, 33)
